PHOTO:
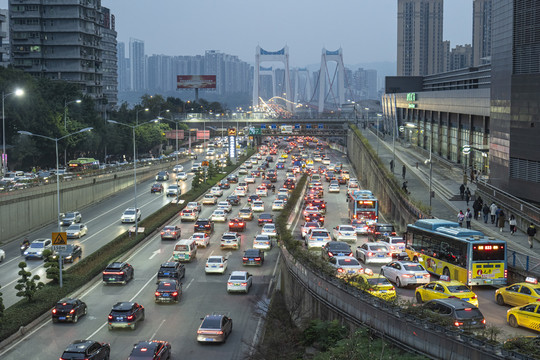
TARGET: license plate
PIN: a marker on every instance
(119, 318)
(228, 242)
(62, 318)
(166, 273)
(380, 255)
(251, 259)
(112, 279)
(466, 299)
(165, 295)
(419, 277)
(382, 291)
(473, 322)
(208, 339)
(214, 266)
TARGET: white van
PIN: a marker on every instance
(185, 250)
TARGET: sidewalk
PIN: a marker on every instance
(447, 202)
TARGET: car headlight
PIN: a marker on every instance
(68, 257)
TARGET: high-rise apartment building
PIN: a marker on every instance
(110, 58)
(4, 38)
(363, 84)
(460, 57)
(137, 64)
(419, 37)
(481, 32)
(60, 39)
(124, 80)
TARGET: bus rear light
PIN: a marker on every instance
(505, 273)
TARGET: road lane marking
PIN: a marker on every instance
(158, 251)
(25, 337)
(256, 336)
(159, 327)
(189, 283)
(145, 285)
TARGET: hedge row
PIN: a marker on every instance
(23, 312)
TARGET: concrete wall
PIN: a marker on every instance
(310, 295)
(26, 210)
(395, 207)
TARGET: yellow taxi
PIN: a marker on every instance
(284, 155)
(445, 288)
(526, 316)
(375, 284)
(519, 294)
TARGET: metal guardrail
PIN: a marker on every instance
(521, 261)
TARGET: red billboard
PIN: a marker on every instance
(196, 81)
(172, 134)
(203, 134)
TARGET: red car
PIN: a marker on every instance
(265, 218)
(237, 224)
(157, 187)
(320, 204)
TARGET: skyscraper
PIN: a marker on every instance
(481, 32)
(124, 83)
(137, 63)
(110, 58)
(419, 37)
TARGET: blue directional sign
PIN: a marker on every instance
(273, 126)
(263, 126)
(297, 126)
(321, 126)
(308, 126)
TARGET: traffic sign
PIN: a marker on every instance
(297, 126)
(59, 238)
(255, 131)
(308, 126)
(273, 126)
(59, 248)
(263, 126)
(321, 126)
(232, 132)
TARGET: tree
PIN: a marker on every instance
(51, 264)
(212, 169)
(27, 285)
(2, 307)
(196, 181)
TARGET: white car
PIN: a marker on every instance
(283, 191)
(404, 273)
(333, 188)
(189, 214)
(344, 233)
(261, 191)
(326, 161)
(239, 281)
(76, 231)
(257, 205)
(240, 191)
(216, 264)
(225, 205)
(219, 215)
(375, 252)
(304, 229)
(269, 229)
(173, 190)
(178, 168)
(216, 191)
(278, 205)
(201, 239)
(129, 215)
(209, 199)
(396, 244)
(346, 265)
(311, 210)
(37, 247)
(242, 170)
(317, 158)
(193, 205)
(262, 242)
(254, 161)
(317, 238)
(250, 179)
(181, 176)
(2, 255)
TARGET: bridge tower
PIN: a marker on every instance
(336, 91)
(261, 56)
(303, 91)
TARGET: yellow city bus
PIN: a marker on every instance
(445, 248)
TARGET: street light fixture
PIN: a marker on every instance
(66, 103)
(17, 92)
(137, 115)
(57, 177)
(133, 127)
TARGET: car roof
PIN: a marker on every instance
(79, 346)
(67, 301)
(169, 264)
(237, 273)
(457, 304)
(126, 305)
(116, 265)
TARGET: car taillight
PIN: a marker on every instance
(257, 259)
(110, 317)
(244, 284)
(426, 275)
(484, 321)
(350, 254)
(162, 233)
(244, 258)
(206, 226)
(157, 293)
(457, 323)
(241, 224)
(474, 297)
(388, 254)
(407, 275)
(130, 317)
(72, 311)
(330, 254)
(231, 224)
(54, 311)
(229, 283)
(370, 254)
(175, 293)
(340, 270)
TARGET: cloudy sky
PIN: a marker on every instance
(365, 29)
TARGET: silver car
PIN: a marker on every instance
(71, 218)
(76, 231)
(214, 328)
(239, 281)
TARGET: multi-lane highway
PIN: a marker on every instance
(202, 294)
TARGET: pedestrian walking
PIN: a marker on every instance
(501, 220)
(467, 195)
(462, 191)
(468, 217)
(460, 218)
(476, 208)
(392, 166)
(403, 171)
(472, 175)
(513, 224)
(485, 211)
(492, 210)
(531, 231)
(497, 212)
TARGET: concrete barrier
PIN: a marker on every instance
(27, 210)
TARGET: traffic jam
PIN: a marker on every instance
(214, 255)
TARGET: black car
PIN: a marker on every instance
(171, 270)
(380, 231)
(253, 257)
(151, 350)
(462, 314)
(224, 184)
(168, 291)
(267, 183)
(69, 310)
(125, 314)
(86, 349)
(162, 176)
(272, 177)
(233, 179)
(118, 272)
(269, 159)
(234, 200)
(253, 198)
(335, 248)
(265, 218)
(70, 253)
(203, 225)
(289, 184)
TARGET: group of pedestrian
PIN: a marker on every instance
(465, 193)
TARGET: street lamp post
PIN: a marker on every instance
(378, 117)
(176, 134)
(133, 127)
(17, 92)
(137, 115)
(57, 179)
(66, 103)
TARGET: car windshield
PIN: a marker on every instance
(181, 248)
(413, 267)
(348, 262)
(346, 228)
(36, 245)
(73, 227)
(458, 288)
(214, 260)
(69, 215)
(319, 234)
(64, 306)
(169, 228)
(377, 248)
(173, 187)
(228, 237)
(265, 216)
(237, 277)
(166, 286)
(378, 281)
(211, 323)
(386, 228)
(129, 212)
(339, 246)
(469, 313)
(198, 236)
